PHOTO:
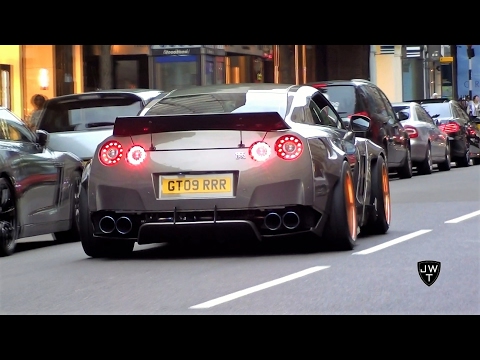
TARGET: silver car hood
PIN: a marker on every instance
(81, 143)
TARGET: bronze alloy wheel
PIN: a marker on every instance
(350, 206)
(386, 194)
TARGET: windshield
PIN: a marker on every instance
(441, 109)
(342, 98)
(81, 115)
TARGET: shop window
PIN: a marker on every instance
(220, 76)
(176, 72)
(64, 69)
(209, 72)
(5, 87)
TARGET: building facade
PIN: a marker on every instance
(28, 70)
(402, 71)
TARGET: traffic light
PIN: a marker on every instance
(470, 51)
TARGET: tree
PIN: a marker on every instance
(106, 67)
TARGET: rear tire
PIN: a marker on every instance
(405, 171)
(476, 161)
(8, 219)
(465, 160)
(97, 248)
(71, 235)
(341, 229)
(380, 222)
(426, 166)
(446, 165)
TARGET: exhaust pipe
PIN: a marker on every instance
(124, 225)
(272, 221)
(106, 224)
(290, 220)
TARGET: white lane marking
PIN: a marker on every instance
(392, 242)
(256, 288)
(464, 217)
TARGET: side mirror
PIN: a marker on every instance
(360, 124)
(42, 137)
(435, 116)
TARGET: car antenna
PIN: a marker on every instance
(152, 147)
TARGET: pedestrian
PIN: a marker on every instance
(38, 102)
(435, 96)
(473, 109)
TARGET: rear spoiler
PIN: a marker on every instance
(138, 125)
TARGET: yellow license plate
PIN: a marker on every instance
(210, 184)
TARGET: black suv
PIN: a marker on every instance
(361, 97)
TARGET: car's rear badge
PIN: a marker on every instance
(240, 155)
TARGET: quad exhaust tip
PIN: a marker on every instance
(107, 224)
(123, 225)
(272, 221)
(290, 220)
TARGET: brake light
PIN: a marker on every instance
(452, 127)
(411, 131)
(260, 151)
(361, 113)
(110, 153)
(318, 86)
(136, 155)
(471, 131)
(288, 147)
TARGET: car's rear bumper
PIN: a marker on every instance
(418, 150)
(458, 147)
(159, 227)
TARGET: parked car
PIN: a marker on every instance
(38, 187)
(79, 122)
(429, 144)
(361, 97)
(452, 119)
(234, 161)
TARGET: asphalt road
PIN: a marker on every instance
(435, 217)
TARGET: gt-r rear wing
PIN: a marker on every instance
(151, 124)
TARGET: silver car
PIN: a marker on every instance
(429, 144)
(236, 162)
(38, 187)
(79, 122)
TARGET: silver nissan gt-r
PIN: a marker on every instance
(233, 161)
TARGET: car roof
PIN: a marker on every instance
(404, 103)
(430, 101)
(144, 94)
(342, 82)
(234, 88)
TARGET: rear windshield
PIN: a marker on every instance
(81, 115)
(342, 98)
(403, 108)
(228, 102)
(440, 109)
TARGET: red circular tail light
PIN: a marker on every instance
(136, 155)
(110, 153)
(289, 147)
(260, 151)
